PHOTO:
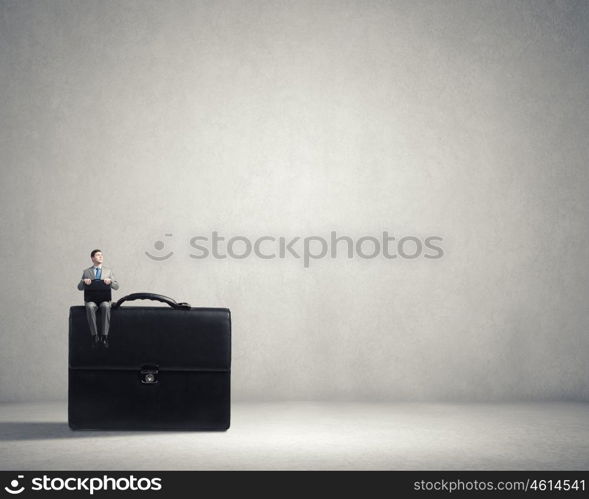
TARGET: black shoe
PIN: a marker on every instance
(105, 341)
(95, 341)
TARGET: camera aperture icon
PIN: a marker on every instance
(159, 246)
(13, 486)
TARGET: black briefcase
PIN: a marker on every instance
(166, 368)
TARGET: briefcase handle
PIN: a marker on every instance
(152, 296)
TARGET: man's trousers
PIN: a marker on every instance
(91, 308)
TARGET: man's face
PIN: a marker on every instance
(97, 258)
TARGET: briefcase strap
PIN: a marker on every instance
(152, 296)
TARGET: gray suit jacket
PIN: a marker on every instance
(106, 274)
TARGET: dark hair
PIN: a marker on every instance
(94, 252)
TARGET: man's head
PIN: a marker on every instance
(96, 256)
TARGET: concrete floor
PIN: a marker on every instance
(313, 436)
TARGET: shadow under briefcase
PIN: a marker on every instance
(167, 368)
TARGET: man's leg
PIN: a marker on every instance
(105, 317)
(91, 316)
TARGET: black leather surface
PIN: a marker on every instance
(189, 349)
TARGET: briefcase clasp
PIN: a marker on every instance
(148, 375)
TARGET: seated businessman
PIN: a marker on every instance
(98, 272)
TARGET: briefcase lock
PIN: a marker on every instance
(149, 375)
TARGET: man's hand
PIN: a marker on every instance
(107, 281)
(87, 281)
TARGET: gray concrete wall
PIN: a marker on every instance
(125, 121)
